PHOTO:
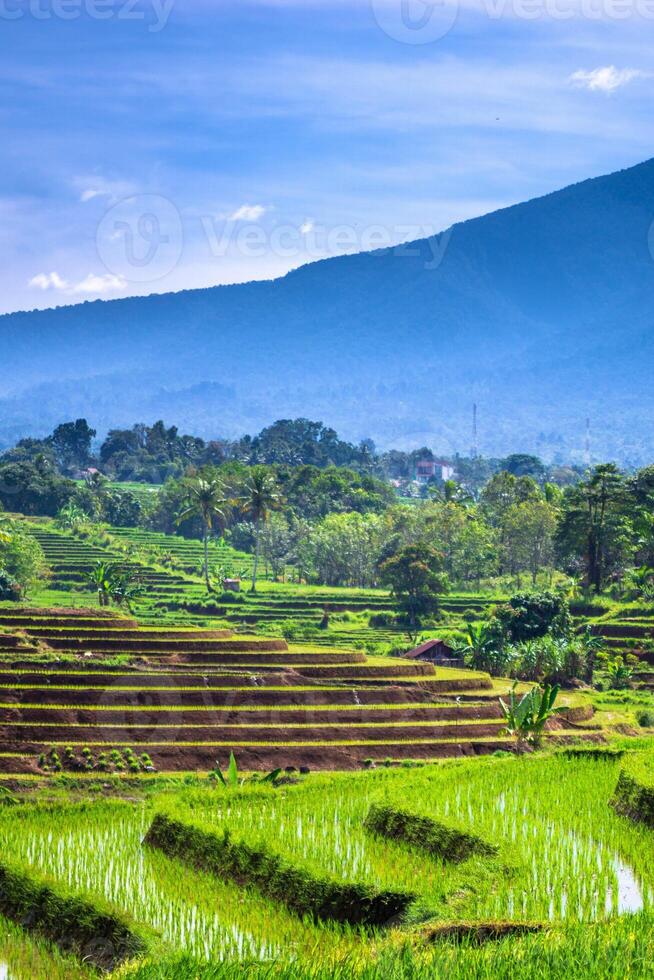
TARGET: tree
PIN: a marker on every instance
(415, 577)
(343, 549)
(484, 648)
(22, 561)
(260, 497)
(529, 530)
(206, 500)
(465, 541)
(529, 615)
(71, 442)
(34, 487)
(71, 516)
(595, 526)
(115, 584)
(526, 718)
(522, 464)
(277, 543)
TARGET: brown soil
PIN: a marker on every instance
(12, 735)
(175, 758)
(163, 647)
(257, 695)
(243, 716)
(97, 634)
(624, 630)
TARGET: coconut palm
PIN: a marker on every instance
(206, 500)
(261, 496)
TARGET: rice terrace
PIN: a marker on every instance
(326, 490)
(224, 757)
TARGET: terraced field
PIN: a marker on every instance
(87, 679)
(177, 592)
(629, 630)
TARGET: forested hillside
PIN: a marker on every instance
(538, 313)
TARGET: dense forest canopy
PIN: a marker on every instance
(340, 512)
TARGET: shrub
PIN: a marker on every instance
(425, 834)
(634, 793)
(96, 935)
(645, 718)
(10, 590)
(301, 891)
(553, 660)
(382, 619)
(528, 615)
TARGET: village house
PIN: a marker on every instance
(428, 469)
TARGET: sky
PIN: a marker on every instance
(156, 145)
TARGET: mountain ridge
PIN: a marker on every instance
(537, 296)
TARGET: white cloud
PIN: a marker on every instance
(95, 186)
(100, 284)
(606, 79)
(248, 212)
(306, 227)
(48, 280)
(91, 285)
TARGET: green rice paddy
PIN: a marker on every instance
(564, 858)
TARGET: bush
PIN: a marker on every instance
(10, 590)
(645, 718)
(383, 619)
(634, 793)
(425, 834)
(529, 615)
(551, 660)
(298, 889)
(96, 935)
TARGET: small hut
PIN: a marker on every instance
(436, 652)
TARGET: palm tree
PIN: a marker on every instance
(260, 497)
(206, 500)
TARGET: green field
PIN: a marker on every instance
(168, 567)
(556, 865)
(111, 719)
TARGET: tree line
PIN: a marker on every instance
(338, 524)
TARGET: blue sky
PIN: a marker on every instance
(181, 143)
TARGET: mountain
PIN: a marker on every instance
(541, 313)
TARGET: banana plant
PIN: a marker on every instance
(527, 716)
(232, 780)
(101, 578)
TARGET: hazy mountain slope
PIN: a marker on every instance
(542, 312)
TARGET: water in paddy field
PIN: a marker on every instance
(107, 858)
(568, 866)
(580, 877)
(4, 972)
(629, 895)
